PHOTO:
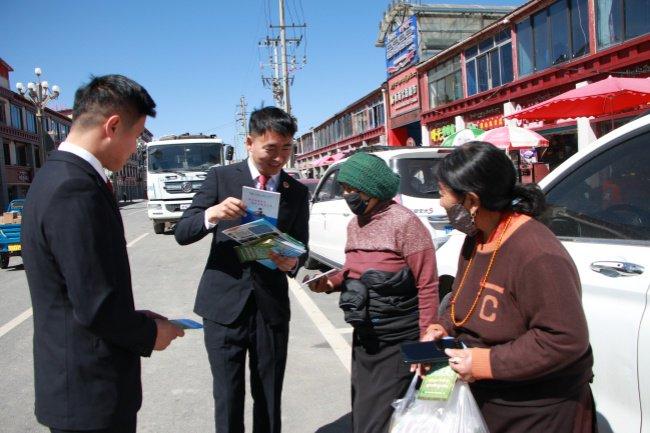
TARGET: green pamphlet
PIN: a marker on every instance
(438, 383)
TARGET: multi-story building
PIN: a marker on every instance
(362, 123)
(131, 181)
(524, 57)
(21, 146)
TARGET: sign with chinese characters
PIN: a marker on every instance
(402, 45)
(403, 93)
(439, 134)
(490, 122)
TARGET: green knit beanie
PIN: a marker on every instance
(369, 174)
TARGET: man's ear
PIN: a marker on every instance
(249, 142)
(111, 124)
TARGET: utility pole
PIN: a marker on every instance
(285, 66)
(280, 86)
(242, 119)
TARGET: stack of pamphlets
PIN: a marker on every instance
(259, 236)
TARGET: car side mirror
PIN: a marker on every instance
(230, 151)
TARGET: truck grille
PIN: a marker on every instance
(183, 187)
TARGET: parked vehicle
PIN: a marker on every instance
(176, 168)
(418, 191)
(311, 184)
(10, 234)
(599, 207)
(295, 173)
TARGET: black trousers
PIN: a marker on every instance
(379, 377)
(227, 346)
(127, 426)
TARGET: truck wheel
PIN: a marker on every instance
(158, 227)
(4, 261)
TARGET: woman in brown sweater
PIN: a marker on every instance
(516, 301)
(389, 288)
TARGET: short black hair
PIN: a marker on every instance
(111, 94)
(272, 119)
(487, 171)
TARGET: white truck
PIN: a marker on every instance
(176, 168)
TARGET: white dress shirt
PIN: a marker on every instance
(82, 153)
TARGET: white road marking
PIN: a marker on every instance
(15, 322)
(28, 313)
(345, 330)
(133, 242)
(333, 337)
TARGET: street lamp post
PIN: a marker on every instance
(40, 94)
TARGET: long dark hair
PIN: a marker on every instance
(485, 170)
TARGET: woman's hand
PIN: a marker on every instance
(460, 360)
(323, 284)
(434, 332)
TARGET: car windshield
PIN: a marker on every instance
(418, 177)
(183, 157)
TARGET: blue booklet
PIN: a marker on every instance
(186, 323)
(260, 204)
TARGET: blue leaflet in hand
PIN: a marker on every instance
(186, 323)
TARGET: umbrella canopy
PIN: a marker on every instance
(329, 159)
(461, 137)
(513, 137)
(609, 96)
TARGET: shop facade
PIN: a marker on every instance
(537, 52)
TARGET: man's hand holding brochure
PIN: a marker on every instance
(259, 238)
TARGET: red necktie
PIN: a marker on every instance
(109, 184)
(262, 180)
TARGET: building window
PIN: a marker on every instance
(30, 121)
(489, 64)
(620, 20)
(445, 83)
(553, 36)
(7, 152)
(21, 154)
(16, 116)
(3, 116)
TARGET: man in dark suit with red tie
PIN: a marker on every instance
(88, 337)
(245, 307)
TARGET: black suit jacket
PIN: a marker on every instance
(226, 283)
(88, 338)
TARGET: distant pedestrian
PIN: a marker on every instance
(516, 301)
(88, 337)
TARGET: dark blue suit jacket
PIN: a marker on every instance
(226, 283)
(88, 338)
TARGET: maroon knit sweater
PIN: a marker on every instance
(389, 238)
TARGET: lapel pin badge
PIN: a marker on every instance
(285, 184)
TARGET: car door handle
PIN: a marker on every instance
(346, 214)
(617, 269)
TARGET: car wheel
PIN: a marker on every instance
(4, 261)
(158, 227)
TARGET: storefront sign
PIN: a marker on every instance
(403, 93)
(18, 175)
(490, 122)
(439, 134)
(401, 45)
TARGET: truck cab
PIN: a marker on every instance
(176, 168)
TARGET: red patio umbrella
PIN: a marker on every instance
(609, 96)
(513, 137)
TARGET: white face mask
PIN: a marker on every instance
(461, 219)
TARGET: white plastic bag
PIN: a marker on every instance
(458, 414)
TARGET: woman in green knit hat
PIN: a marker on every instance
(388, 285)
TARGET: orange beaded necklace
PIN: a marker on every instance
(483, 280)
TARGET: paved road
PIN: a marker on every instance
(177, 382)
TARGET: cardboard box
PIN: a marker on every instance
(11, 218)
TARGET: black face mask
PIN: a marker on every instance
(356, 204)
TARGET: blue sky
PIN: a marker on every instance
(197, 58)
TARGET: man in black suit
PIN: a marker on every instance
(88, 338)
(245, 307)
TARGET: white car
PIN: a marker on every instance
(418, 191)
(599, 207)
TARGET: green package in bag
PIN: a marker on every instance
(438, 383)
